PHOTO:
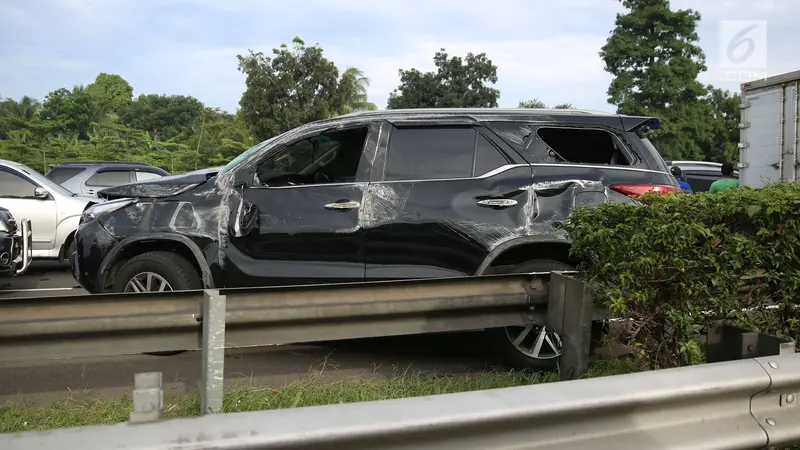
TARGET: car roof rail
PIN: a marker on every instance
(83, 163)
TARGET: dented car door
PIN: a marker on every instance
(442, 197)
(297, 222)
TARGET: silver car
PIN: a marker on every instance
(88, 177)
(53, 211)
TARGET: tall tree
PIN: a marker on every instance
(538, 104)
(353, 87)
(724, 114)
(457, 83)
(24, 110)
(110, 91)
(165, 117)
(288, 89)
(16, 115)
(654, 57)
(73, 111)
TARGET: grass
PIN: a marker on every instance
(76, 410)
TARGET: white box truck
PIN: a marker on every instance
(769, 130)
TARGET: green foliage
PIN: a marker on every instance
(111, 92)
(177, 132)
(73, 111)
(15, 115)
(457, 83)
(164, 116)
(353, 91)
(664, 260)
(655, 60)
(538, 104)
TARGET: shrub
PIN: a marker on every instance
(675, 263)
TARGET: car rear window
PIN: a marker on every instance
(61, 174)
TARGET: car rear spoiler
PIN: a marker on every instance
(640, 124)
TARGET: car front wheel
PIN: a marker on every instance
(158, 272)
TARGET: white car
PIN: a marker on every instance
(53, 211)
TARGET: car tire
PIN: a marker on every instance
(73, 246)
(500, 340)
(173, 268)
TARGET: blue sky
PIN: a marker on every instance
(544, 49)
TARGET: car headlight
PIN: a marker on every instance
(100, 209)
(3, 226)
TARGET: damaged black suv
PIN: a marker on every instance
(377, 195)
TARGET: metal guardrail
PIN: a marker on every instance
(213, 320)
(745, 404)
(112, 324)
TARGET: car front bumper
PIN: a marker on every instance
(93, 245)
(15, 251)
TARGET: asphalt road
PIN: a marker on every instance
(43, 278)
(43, 380)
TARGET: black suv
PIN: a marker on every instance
(376, 196)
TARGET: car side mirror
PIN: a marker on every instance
(40, 193)
(245, 220)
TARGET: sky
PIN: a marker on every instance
(544, 49)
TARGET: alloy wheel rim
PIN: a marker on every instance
(535, 341)
(148, 282)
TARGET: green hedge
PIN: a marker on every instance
(665, 260)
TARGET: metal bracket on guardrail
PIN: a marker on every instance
(213, 345)
(569, 313)
(148, 397)
(730, 343)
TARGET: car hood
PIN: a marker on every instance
(159, 187)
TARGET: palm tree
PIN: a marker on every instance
(22, 111)
(353, 92)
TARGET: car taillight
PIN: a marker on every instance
(635, 190)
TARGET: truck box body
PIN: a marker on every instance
(768, 140)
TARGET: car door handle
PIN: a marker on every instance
(342, 206)
(497, 203)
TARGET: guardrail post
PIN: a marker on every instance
(213, 345)
(569, 313)
(148, 397)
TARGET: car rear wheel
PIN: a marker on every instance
(158, 272)
(532, 347)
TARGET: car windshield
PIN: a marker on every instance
(44, 181)
(246, 154)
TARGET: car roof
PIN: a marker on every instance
(101, 163)
(482, 114)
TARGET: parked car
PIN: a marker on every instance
(700, 174)
(378, 195)
(87, 177)
(15, 245)
(54, 211)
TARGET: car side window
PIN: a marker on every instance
(142, 175)
(428, 153)
(62, 174)
(331, 157)
(14, 186)
(109, 178)
(487, 157)
(579, 146)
